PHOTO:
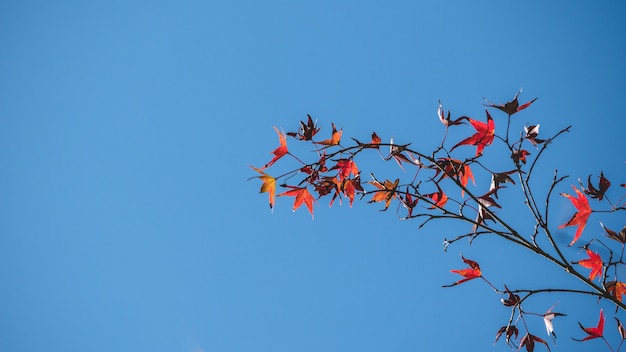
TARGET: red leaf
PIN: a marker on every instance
(581, 216)
(280, 151)
(439, 198)
(594, 332)
(468, 273)
(594, 263)
(409, 203)
(512, 106)
(302, 196)
(483, 137)
(346, 167)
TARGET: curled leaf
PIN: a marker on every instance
(307, 130)
(512, 106)
(519, 155)
(280, 151)
(619, 237)
(334, 139)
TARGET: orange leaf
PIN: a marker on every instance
(594, 263)
(269, 185)
(616, 288)
(280, 151)
(386, 192)
(581, 216)
(302, 196)
(375, 138)
(334, 139)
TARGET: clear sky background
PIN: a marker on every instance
(126, 129)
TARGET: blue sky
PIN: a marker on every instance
(127, 127)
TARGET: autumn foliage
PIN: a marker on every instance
(438, 189)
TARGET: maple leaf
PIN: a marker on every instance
(446, 121)
(531, 134)
(395, 151)
(512, 300)
(334, 139)
(483, 137)
(594, 263)
(307, 130)
(408, 202)
(468, 273)
(375, 138)
(346, 167)
(269, 185)
(509, 330)
(280, 151)
(597, 192)
(620, 329)
(594, 332)
(620, 237)
(519, 155)
(326, 185)
(512, 106)
(498, 178)
(439, 198)
(485, 201)
(455, 168)
(529, 340)
(582, 214)
(350, 186)
(386, 191)
(373, 144)
(302, 197)
(616, 288)
(547, 320)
